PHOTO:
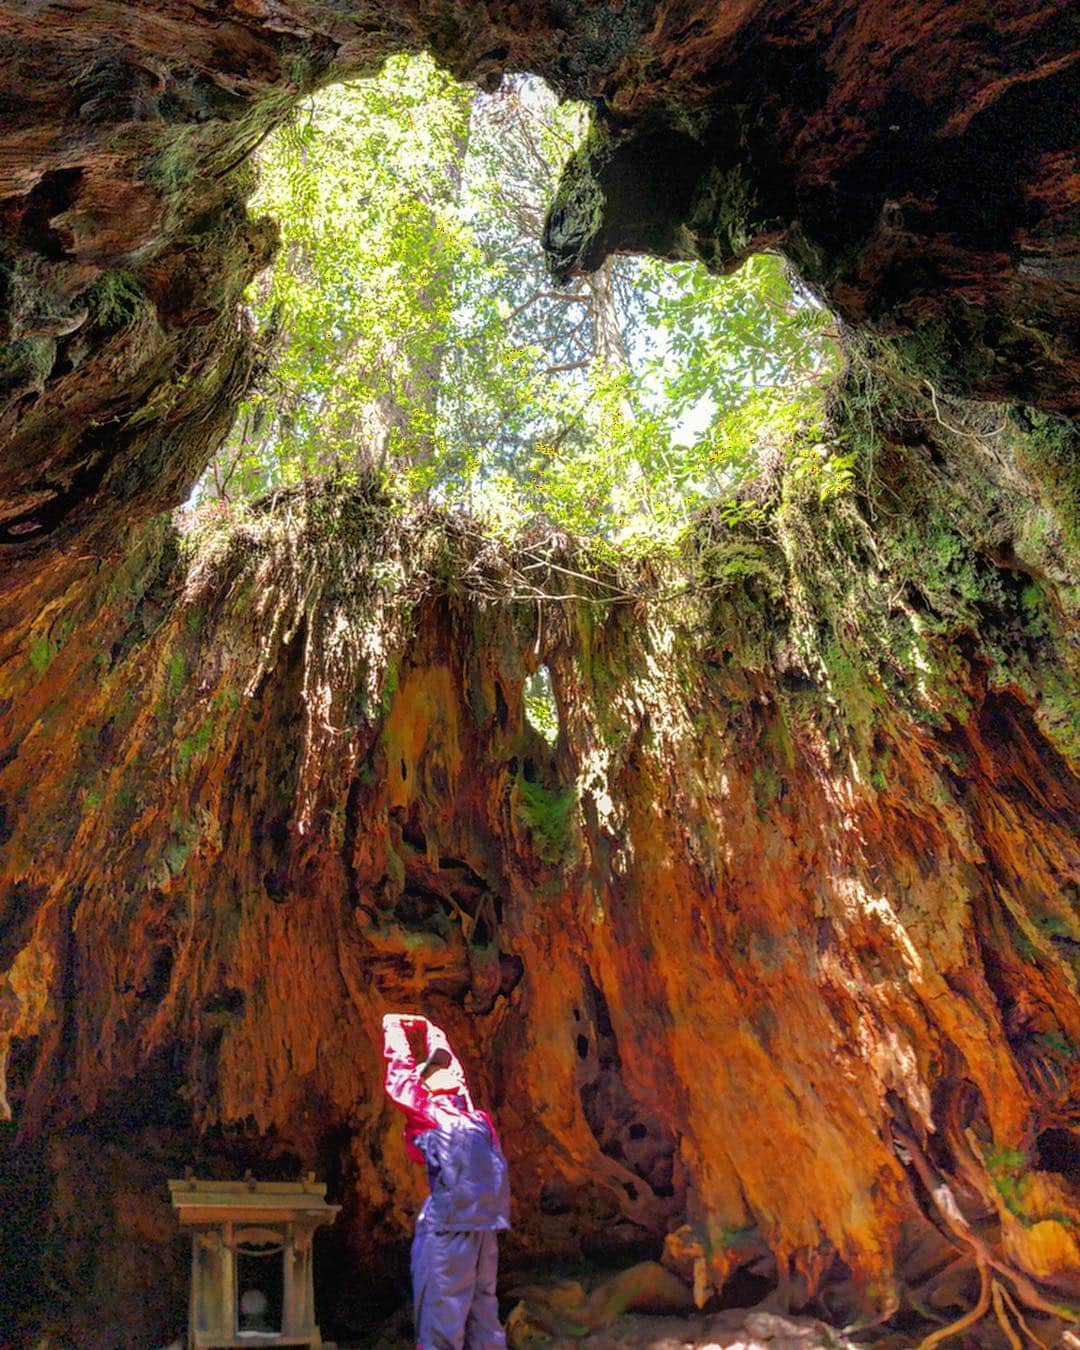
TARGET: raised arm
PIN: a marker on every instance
(403, 1083)
(404, 1075)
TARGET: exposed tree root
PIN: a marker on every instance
(1010, 1303)
(969, 1318)
(986, 1260)
(1003, 1317)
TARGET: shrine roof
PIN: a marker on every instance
(291, 1197)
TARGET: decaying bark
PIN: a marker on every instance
(769, 963)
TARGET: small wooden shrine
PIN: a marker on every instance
(251, 1260)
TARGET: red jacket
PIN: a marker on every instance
(407, 1090)
(466, 1167)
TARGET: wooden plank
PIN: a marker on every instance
(297, 1204)
(194, 1185)
(227, 1343)
(218, 1214)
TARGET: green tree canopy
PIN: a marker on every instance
(411, 329)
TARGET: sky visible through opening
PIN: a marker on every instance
(410, 329)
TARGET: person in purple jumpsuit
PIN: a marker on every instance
(455, 1249)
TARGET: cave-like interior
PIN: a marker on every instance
(767, 961)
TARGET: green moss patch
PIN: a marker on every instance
(549, 817)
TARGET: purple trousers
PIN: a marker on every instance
(453, 1279)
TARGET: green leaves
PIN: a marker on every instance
(410, 328)
(363, 183)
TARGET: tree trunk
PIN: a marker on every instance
(402, 422)
(611, 366)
